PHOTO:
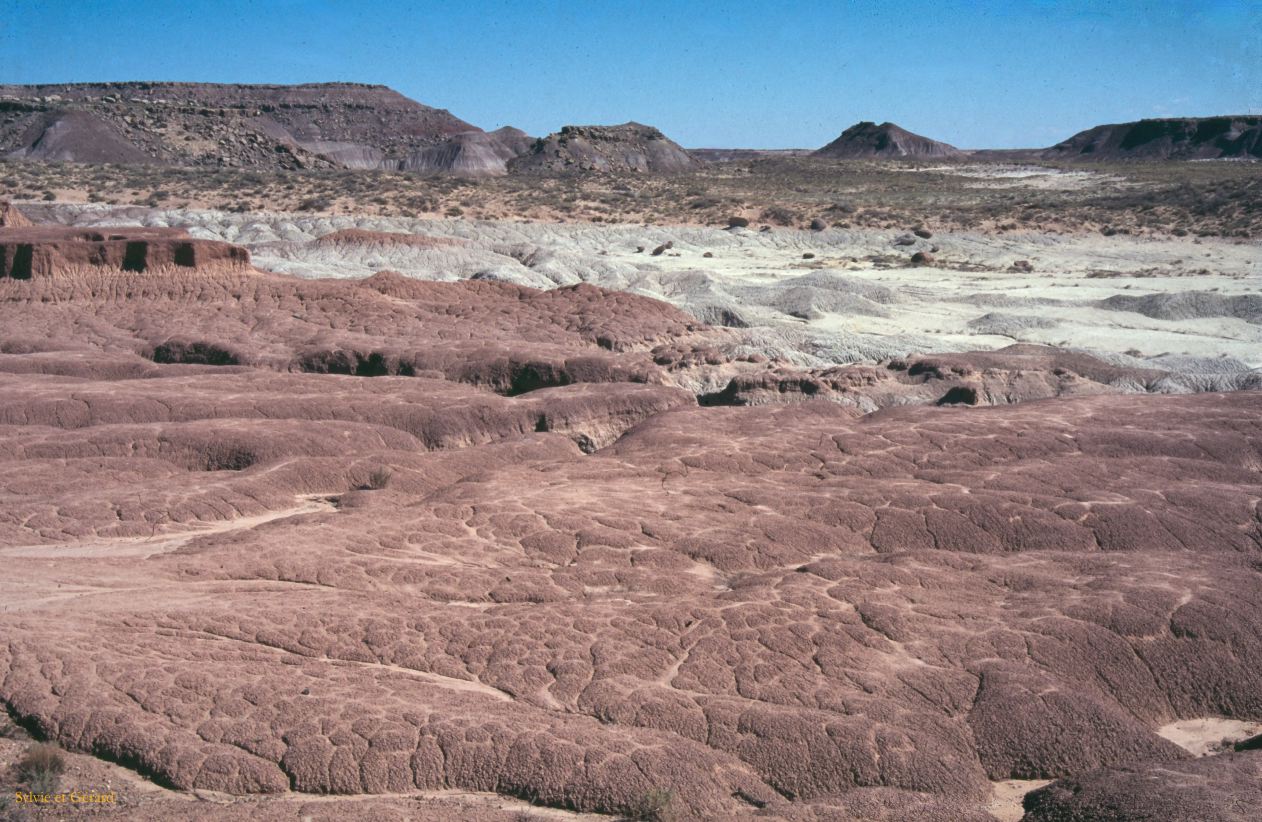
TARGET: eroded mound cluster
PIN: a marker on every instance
(523, 558)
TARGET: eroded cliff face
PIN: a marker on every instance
(59, 252)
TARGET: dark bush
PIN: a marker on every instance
(377, 480)
(40, 768)
(653, 806)
(778, 215)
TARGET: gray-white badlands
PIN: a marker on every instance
(815, 298)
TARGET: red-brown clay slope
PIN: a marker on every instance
(11, 217)
(519, 560)
(55, 251)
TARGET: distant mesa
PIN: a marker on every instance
(630, 147)
(731, 155)
(867, 140)
(318, 125)
(359, 126)
(42, 252)
(1188, 138)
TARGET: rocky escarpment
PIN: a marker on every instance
(343, 125)
(629, 147)
(1186, 138)
(867, 140)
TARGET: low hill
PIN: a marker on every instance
(628, 147)
(1186, 138)
(867, 140)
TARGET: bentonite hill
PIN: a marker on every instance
(359, 463)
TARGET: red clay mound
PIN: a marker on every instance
(1220, 788)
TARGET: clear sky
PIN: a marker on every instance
(763, 74)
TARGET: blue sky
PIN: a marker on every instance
(762, 74)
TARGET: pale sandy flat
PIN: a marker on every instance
(1006, 796)
(1206, 735)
